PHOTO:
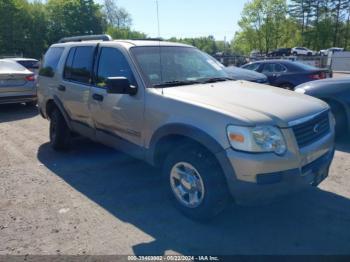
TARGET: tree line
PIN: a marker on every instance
(28, 27)
(316, 24)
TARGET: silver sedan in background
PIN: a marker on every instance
(17, 84)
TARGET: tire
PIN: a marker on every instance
(309, 54)
(31, 104)
(59, 132)
(213, 194)
(287, 86)
(295, 53)
(341, 124)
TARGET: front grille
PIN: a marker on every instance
(310, 131)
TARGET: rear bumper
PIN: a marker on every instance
(17, 99)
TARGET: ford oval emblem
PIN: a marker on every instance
(316, 128)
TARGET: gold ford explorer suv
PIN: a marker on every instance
(170, 104)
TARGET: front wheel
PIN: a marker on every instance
(340, 120)
(31, 104)
(287, 87)
(196, 182)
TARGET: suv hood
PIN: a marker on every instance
(249, 103)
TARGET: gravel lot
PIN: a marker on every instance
(93, 200)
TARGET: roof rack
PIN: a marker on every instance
(86, 38)
(147, 39)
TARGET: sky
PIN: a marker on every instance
(185, 18)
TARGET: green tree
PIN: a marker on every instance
(14, 19)
(74, 17)
(116, 16)
(263, 26)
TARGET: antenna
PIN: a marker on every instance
(158, 18)
(160, 49)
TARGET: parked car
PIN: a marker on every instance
(280, 52)
(244, 74)
(176, 108)
(255, 54)
(332, 50)
(336, 92)
(302, 51)
(17, 84)
(29, 63)
(288, 74)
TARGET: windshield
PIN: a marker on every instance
(171, 65)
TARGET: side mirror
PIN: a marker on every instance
(120, 85)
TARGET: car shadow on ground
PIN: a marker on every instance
(312, 222)
(14, 112)
(343, 144)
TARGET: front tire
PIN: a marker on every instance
(195, 182)
(341, 124)
(287, 86)
(59, 132)
(31, 104)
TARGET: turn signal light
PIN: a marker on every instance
(236, 137)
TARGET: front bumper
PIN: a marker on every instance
(262, 177)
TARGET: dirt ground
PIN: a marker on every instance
(93, 200)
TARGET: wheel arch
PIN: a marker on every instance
(171, 134)
(55, 103)
(343, 107)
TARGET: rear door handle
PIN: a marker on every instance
(97, 97)
(61, 88)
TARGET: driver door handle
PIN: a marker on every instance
(97, 97)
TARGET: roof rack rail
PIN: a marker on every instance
(148, 39)
(86, 38)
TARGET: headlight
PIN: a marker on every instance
(257, 139)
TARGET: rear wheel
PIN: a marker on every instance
(295, 53)
(195, 182)
(59, 131)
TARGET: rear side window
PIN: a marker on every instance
(79, 64)
(51, 60)
(274, 68)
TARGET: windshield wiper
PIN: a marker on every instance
(177, 83)
(216, 79)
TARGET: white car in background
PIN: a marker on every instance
(326, 52)
(302, 51)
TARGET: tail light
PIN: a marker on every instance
(321, 75)
(30, 78)
(314, 77)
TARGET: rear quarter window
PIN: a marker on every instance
(79, 64)
(51, 60)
